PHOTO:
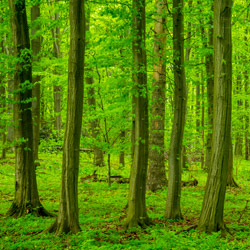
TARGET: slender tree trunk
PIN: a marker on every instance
(230, 178)
(95, 128)
(246, 77)
(137, 214)
(3, 110)
(26, 194)
(68, 217)
(211, 218)
(157, 172)
(122, 153)
(173, 210)
(10, 89)
(198, 108)
(57, 89)
(246, 118)
(209, 63)
(202, 123)
(36, 48)
(239, 137)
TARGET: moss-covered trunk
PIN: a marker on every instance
(68, 217)
(26, 194)
(137, 214)
(211, 218)
(173, 210)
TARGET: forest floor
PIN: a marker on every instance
(102, 212)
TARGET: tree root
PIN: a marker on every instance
(141, 222)
(19, 211)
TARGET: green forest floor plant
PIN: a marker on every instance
(103, 210)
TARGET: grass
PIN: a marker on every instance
(102, 212)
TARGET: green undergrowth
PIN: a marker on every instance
(102, 211)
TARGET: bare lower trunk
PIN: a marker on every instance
(230, 177)
(156, 171)
(95, 128)
(68, 217)
(122, 153)
(211, 218)
(173, 210)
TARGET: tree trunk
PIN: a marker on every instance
(211, 219)
(3, 110)
(95, 129)
(209, 63)
(137, 214)
(94, 123)
(239, 137)
(36, 48)
(247, 148)
(68, 217)
(122, 153)
(26, 194)
(230, 178)
(173, 210)
(202, 121)
(156, 171)
(57, 89)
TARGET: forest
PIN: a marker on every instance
(124, 124)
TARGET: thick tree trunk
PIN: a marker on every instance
(68, 217)
(36, 47)
(173, 210)
(26, 194)
(211, 218)
(137, 214)
(156, 171)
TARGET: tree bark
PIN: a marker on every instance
(156, 171)
(173, 210)
(57, 89)
(211, 219)
(36, 48)
(94, 123)
(246, 86)
(3, 110)
(239, 136)
(209, 63)
(95, 129)
(230, 178)
(26, 194)
(122, 153)
(68, 217)
(137, 214)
